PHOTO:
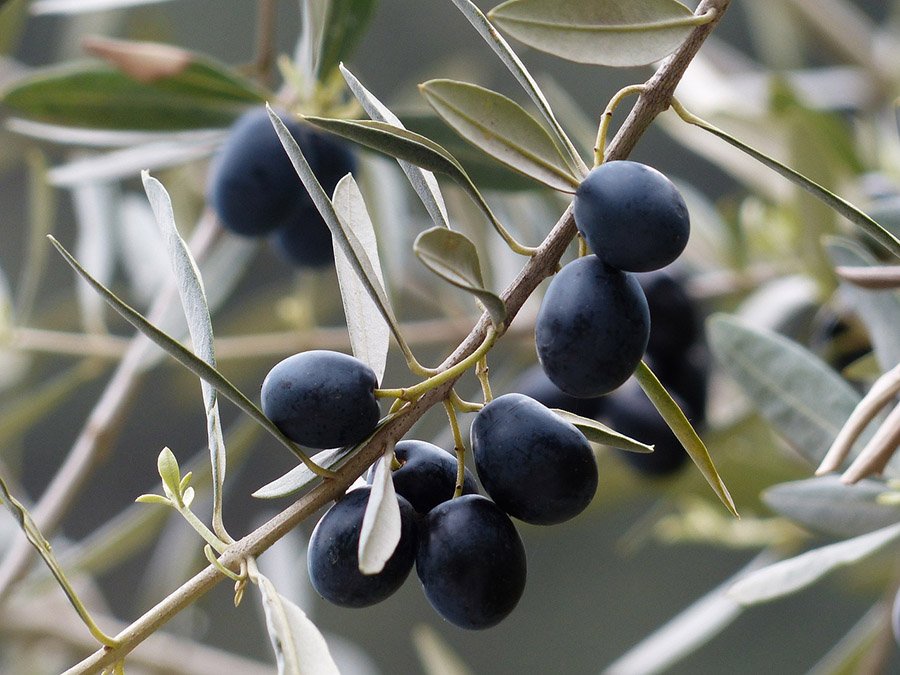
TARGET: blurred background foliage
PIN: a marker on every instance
(811, 83)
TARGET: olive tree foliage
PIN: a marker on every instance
(797, 265)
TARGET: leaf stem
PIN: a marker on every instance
(459, 447)
(606, 118)
(455, 371)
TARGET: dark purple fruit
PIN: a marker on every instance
(674, 320)
(321, 399)
(333, 558)
(427, 476)
(471, 562)
(534, 465)
(631, 216)
(592, 328)
(535, 383)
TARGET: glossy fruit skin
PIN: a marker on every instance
(592, 328)
(471, 562)
(427, 476)
(252, 184)
(630, 412)
(535, 466)
(333, 557)
(631, 216)
(321, 399)
(304, 239)
(535, 383)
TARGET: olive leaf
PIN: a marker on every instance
(796, 392)
(299, 647)
(500, 127)
(600, 433)
(600, 32)
(454, 258)
(381, 526)
(423, 182)
(793, 574)
(84, 6)
(300, 476)
(344, 23)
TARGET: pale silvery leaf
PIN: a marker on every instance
(300, 476)
(82, 6)
(436, 655)
(380, 531)
(13, 362)
(370, 335)
(422, 181)
(686, 632)
(788, 576)
(128, 162)
(94, 211)
(196, 309)
(84, 137)
(299, 647)
(141, 248)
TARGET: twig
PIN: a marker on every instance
(878, 278)
(878, 451)
(655, 99)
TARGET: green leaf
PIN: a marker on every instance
(196, 311)
(299, 647)
(300, 476)
(793, 574)
(600, 433)
(423, 182)
(13, 14)
(600, 32)
(415, 149)
(796, 392)
(195, 93)
(878, 309)
(381, 526)
(344, 25)
(169, 472)
(501, 128)
(515, 66)
(684, 432)
(843, 207)
(370, 335)
(454, 258)
(154, 499)
(825, 504)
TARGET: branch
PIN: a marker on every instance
(654, 100)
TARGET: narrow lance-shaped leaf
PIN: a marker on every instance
(196, 310)
(600, 32)
(843, 207)
(515, 66)
(345, 22)
(413, 148)
(299, 647)
(300, 476)
(454, 258)
(341, 236)
(684, 432)
(600, 433)
(370, 334)
(501, 128)
(423, 182)
(789, 576)
(39, 7)
(185, 357)
(795, 391)
(381, 525)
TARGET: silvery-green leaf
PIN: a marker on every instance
(422, 181)
(500, 127)
(39, 7)
(344, 24)
(826, 504)
(600, 433)
(141, 248)
(90, 138)
(299, 647)
(153, 499)
(515, 66)
(169, 472)
(878, 309)
(196, 310)
(454, 258)
(436, 656)
(601, 32)
(793, 574)
(300, 476)
(370, 335)
(795, 391)
(381, 526)
(95, 205)
(688, 631)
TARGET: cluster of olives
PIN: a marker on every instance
(466, 550)
(255, 191)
